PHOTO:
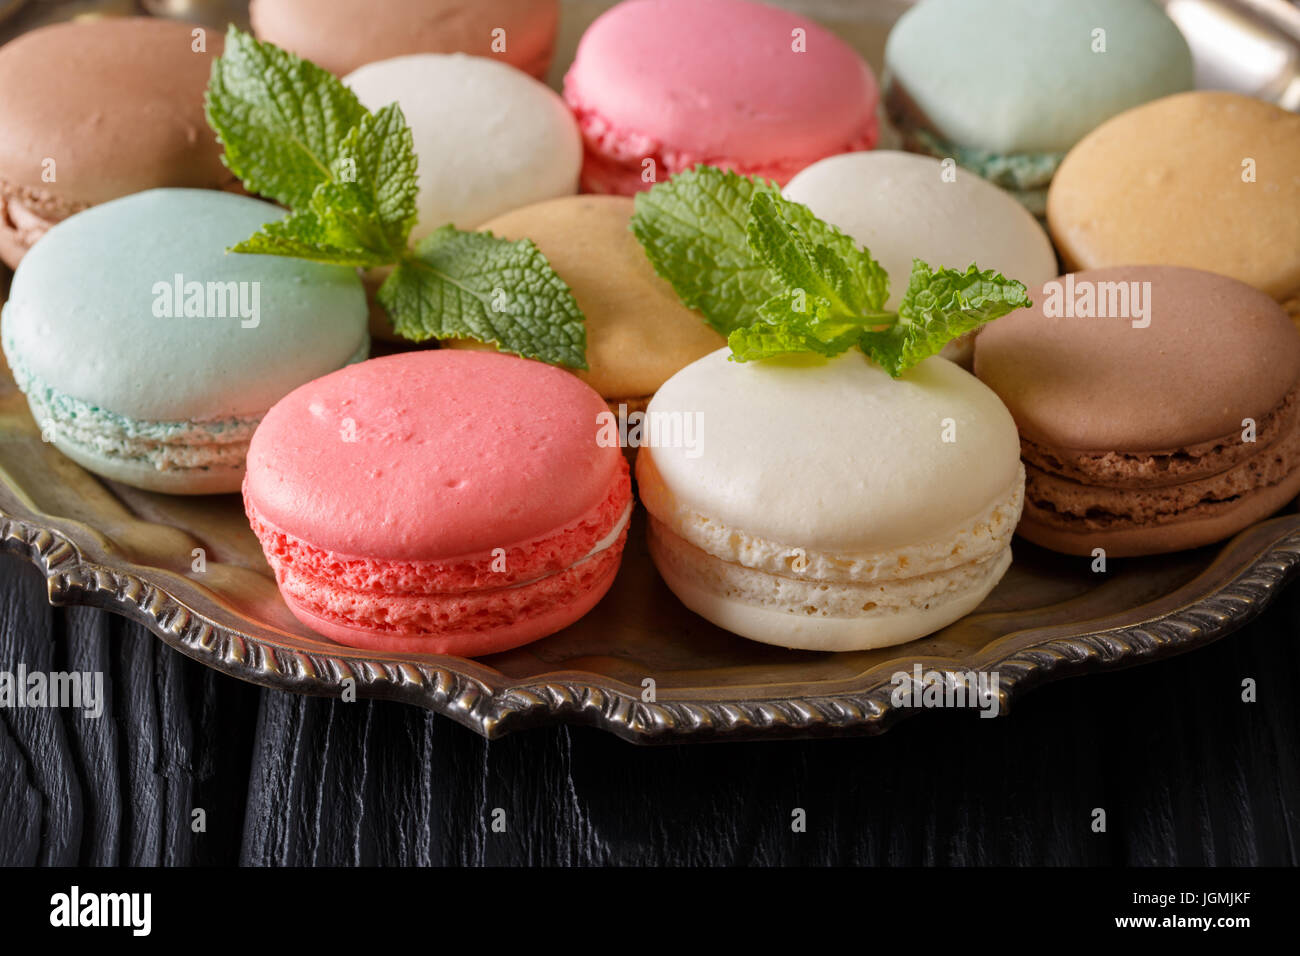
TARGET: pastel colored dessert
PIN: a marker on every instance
(148, 354)
(902, 206)
(341, 35)
(489, 139)
(638, 331)
(1150, 429)
(822, 507)
(96, 110)
(1006, 87)
(1150, 186)
(439, 502)
(659, 86)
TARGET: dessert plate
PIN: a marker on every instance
(640, 665)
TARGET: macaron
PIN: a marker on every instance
(148, 354)
(659, 86)
(638, 331)
(1006, 87)
(1158, 408)
(439, 502)
(488, 138)
(341, 35)
(823, 505)
(902, 206)
(1206, 180)
(94, 110)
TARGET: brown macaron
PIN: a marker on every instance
(341, 35)
(1158, 408)
(95, 110)
(638, 332)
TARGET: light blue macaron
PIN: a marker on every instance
(1006, 87)
(148, 354)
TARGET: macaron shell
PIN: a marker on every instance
(638, 332)
(902, 206)
(483, 451)
(1012, 76)
(1216, 352)
(724, 82)
(834, 455)
(1167, 183)
(342, 35)
(128, 117)
(489, 138)
(81, 310)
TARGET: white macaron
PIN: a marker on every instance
(489, 137)
(902, 206)
(823, 505)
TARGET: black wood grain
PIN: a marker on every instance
(1186, 771)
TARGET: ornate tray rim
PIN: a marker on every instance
(492, 704)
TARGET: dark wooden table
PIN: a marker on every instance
(1186, 771)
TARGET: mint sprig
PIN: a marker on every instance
(469, 281)
(776, 279)
(294, 133)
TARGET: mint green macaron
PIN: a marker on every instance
(148, 354)
(1006, 87)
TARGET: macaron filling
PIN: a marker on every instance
(1026, 172)
(791, 581)
(455, 599)
(615, 159)
(91, 432)
(1085, 492)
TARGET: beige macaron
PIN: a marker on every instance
(638, 332)
(1207, 180)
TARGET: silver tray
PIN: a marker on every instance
(106, 545)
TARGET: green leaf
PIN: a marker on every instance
(693, 228)
(473, 285)
(763, 340)
(811, 257)
(281, 119)
(940, 306)
(364, 213)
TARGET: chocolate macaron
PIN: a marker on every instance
(1158, 408)
(95, 110)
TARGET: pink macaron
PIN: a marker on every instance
(443, 502)
(661, 85)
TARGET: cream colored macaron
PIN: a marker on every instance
(902, 206)
(820, 504)
(638, 331)
(1206, 180)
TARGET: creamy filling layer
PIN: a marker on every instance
(162, 445)
(985, 536)
(1060, 502)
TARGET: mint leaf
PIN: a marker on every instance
(281, 119)
(940, 306)
(796, 334)
(476, 286)
(694, 231)
(362, 215)
(810, 256)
